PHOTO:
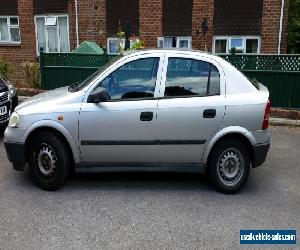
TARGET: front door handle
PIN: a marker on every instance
(146, 116)
(209, 113)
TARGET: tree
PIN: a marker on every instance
(293, 36)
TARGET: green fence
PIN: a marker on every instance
(62, 69)
(280, 73)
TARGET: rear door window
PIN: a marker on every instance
(190, 77)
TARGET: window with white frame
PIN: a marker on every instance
(52, 33)
(174, 42)
(113, 45)
(9, 30)
(242, 44)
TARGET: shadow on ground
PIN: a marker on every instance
(140, 180)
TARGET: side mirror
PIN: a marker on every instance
(98, 95)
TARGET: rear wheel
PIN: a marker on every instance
(229, 166)
(49, 161)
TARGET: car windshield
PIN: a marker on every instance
(3, 86)
(82, 84)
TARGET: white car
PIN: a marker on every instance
(149, 108)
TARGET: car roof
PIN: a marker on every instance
(174, 50)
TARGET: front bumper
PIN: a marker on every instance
(260, 152)
(16, 155)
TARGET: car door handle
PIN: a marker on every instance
(146, 116)
(209, 113)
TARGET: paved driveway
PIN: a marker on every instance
(174, 211)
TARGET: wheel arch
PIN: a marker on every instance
(227, 133)
(57, 128)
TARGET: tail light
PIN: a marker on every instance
(266, 115)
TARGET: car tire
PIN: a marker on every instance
(229, 166)
(49, 161)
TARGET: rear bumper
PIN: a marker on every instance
(260, 154)
(16, 154)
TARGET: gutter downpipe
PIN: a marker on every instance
(76, 24)
(280, 27)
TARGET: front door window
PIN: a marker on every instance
(133, 80)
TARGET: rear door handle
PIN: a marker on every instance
(209, 113)
(146, 116)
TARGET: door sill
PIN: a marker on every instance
(139, 167)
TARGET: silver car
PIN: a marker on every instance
(149, 109)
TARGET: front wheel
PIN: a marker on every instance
(229, 166)
(49, 161)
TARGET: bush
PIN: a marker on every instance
(32, 74)
(138, 44)
(5, 68)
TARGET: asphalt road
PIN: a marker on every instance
(151, 211)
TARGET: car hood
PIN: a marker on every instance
(47, 100)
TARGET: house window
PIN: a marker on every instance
(174, 42)
(251, 45)
(244, 44)
(237, 43)
(220, 46)
(113, 45)
(52, 33)
(10, 30)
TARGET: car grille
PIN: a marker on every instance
(4, 98)
(4, 118)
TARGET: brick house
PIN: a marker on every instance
(251, 26)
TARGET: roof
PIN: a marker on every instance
(167, 50)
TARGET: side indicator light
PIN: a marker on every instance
(60, 118)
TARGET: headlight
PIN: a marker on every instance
(14, 120)
(12, 91)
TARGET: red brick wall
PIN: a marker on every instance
(26, 50)
(270, 26)
(91, 21)
(202, 9)
(150, 21)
